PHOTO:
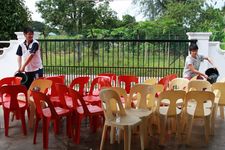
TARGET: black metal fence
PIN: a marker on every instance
(144, 58)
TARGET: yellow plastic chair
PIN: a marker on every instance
(119, 119)
(219, 89)
(39, 85)
(178, 84)
(171, 110)
(140, 93)
(142, 113)
(198, 109)
(151, 81)
(199, 85)
(146, 99)
(197, 78)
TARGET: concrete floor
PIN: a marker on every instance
(91, 141)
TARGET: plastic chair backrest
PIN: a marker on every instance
(142, 91)
(151, 81)
(39, 99)
(172, 76)
(173, 97)
(219, 90)
(199, 85)
(106, 96)
(81, 82)
(128, 80)
(112, 76)
(42, 84)
(178, 84)
(123, 94)
(100, 81)
(200, 97)
(165, 80)
(63, 90)
(151, 98)
(55, 79)
(13, 91)
(77, 96)
(10, 81)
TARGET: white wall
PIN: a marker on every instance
(218, 57)
(8, 60)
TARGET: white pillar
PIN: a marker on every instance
(203, 46)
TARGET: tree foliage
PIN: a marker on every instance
(185, 15)
(76, 17)
(14, 17)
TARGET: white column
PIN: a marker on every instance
(203, 46)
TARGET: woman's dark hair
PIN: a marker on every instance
(193, 46)
(28, 29)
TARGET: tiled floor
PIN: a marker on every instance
(91, 141)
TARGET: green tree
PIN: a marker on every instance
(66, 14)
(38, 26)
(76, 17)
(14, 17)
(153, 9)
(211, 20)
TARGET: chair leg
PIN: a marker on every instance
(22, 117)
(162, 123)
(69, 125)
(32, 113)
(35, 130)
(6, 120)
(94, 120)
(112, 135)
(222, 112)
(142, 136)
(212, 120)
(56, 126)
(127, 137)
(178, 129)
(207, 128)
(103, 136)
(189, 127)
(46, 122)
(77, 131)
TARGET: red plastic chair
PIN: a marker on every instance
(100, 82)
(128, 81)
(112, 76)
(165, 80)
(14, 105)
(91, 111)
(54, 97)
(81, 82)
(55, 79)
(9, 81)
(93, 95)
(47, 114)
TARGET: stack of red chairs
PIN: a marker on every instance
(80, 109)
(48, 113)
(13, 104)
(127, 80)
(93, 95)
